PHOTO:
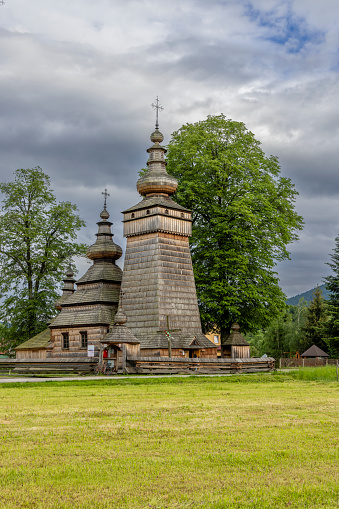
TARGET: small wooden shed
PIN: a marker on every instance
(235, 346)
(314, 352)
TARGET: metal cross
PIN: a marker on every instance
(106, 194)
(158, 108)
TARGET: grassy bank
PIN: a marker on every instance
(321, 373)
(248, 442)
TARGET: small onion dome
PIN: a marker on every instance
(69, 273)
(104, 215)
(120, 317)
(157, 136)
(104, 247)
(157, 180)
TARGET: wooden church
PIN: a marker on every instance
(147, 311)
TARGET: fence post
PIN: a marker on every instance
(280, 363)
(337, 370)
(303, 363)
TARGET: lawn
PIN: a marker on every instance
(266, 441)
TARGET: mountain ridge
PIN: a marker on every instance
(308, 295)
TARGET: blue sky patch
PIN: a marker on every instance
(287, 30)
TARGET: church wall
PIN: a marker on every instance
(158, 223)
(31, 354)
(94, 335)
(133, 350)
(158, 282)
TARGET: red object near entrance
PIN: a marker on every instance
(105, 354)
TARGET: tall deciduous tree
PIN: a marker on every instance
(243, 219)
(37, 238)
(332, 284)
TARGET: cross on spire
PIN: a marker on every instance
(158, 108)
(106, 194)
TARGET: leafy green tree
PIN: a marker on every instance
(299, 317)
(316, 317)
(243, 219)
(332, 284)
(277, 338)
(37, 238)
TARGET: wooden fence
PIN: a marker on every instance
(297, 363)
(177, 365)
(39, 366)
(145, 365)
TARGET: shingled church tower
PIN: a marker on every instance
(158, 282)
(86, 313)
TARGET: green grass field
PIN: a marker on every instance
(261, 441)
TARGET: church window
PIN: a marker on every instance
(166, 211)
(84, 340)
(182, 214)
(147, 211)
(132, 215)
(65, 341)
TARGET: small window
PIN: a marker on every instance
(147, 211)
(166, 211)
(84, 341)
(132, 215)
(182, 214)
(65, 341)
(216, 339)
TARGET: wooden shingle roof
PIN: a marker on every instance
(120, 334)
(235, 338)
(101, 271)
(163, 201)
(87, 315)
(314, 351)
(39, 341)
(150, 339)
(92, 296)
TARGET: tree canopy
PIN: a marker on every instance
(37, 239)
(243, 219)
(332, 284)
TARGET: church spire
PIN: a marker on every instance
(104, 247)
(157, 182)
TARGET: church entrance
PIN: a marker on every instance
(194, 353)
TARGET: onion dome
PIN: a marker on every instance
(119, 332)
(68, 288)
(104, 247)
(157, 181)
(120, 318)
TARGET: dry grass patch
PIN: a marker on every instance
(263, 442)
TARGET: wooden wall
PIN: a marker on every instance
(158, 281)
(157, 219)
(94, 335)
(31, 354)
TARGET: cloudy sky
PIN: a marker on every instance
(78, 78)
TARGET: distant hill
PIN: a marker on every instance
(308, 296)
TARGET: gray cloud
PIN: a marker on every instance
(77, 81)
